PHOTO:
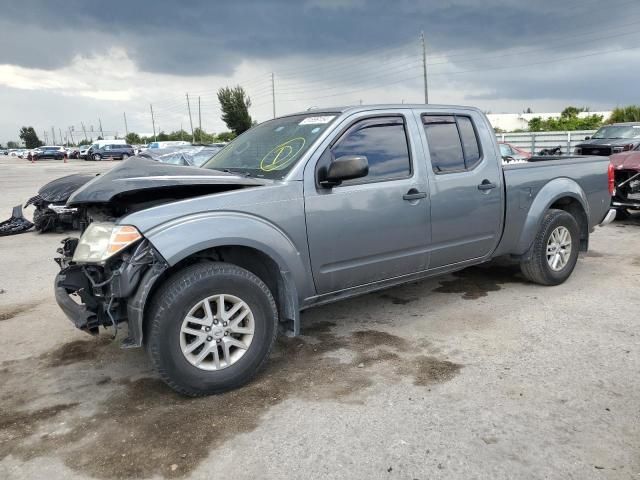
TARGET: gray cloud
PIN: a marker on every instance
(211, 37)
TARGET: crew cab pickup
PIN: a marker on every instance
(207, 265)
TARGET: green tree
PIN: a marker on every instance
(225, 136)
(235, 103)
(133, 138)
(203, 137)
(12, 144)
(568, 121)
(630, 113)
(30, 138)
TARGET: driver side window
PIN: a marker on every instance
(383, 140)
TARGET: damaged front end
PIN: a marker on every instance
(107, 293)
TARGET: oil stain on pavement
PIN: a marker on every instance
(141, 428)
(476, 282)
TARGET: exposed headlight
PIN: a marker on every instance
(103, 240)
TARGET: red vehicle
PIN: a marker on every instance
(626, 168)
(509, 150)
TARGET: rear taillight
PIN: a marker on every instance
(612, 181)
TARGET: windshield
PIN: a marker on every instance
(618, 131)
(271, 149)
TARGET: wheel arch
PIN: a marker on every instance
(562, 194)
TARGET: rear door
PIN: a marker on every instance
(465, 184)
(372, 228)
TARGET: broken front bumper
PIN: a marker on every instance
(107, 295)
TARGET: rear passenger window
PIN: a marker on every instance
(444, 143)
(453, 143)
(384, 142)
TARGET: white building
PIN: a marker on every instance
(520, 121)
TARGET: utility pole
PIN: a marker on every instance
(193, 137)
(46, 139)
(101, 132)
(71, 135)
(199, 121)
(126, 129)
(84, 130)
(60, 132)
(53, 135)
(273, 94)
(153, 122)
(424, 68)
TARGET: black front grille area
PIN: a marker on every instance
(596, 150)
(628, 185)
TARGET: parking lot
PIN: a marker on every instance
(473, 375)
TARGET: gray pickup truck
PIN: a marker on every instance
(206, 265)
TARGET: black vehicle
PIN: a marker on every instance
(610, 139)
(51, 212)
(43, 153)
(114, 151)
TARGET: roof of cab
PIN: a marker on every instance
(382, 106)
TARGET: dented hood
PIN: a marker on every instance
(140, 175)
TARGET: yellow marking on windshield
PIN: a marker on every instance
(282, 155)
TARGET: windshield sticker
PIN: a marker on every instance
(282, 155)
(315, 130)
(317, 120)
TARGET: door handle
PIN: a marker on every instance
(414, 194)
(486, 185)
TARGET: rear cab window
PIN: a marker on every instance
(452, 141)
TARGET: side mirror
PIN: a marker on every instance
(587, 138)
(344, 168)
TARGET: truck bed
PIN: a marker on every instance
(584, 178)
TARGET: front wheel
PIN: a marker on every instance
(554, 252)
(97, 157)
(211, 328)
(125, 156)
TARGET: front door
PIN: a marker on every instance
(372, 228)
(466, 188)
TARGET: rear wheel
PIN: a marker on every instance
(554, 252)
(125, 156)
(97, 157)
(211, 328)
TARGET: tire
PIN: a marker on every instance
(97, 157)
(125, 156)
(538, 268)
(622, 214)
(178, 297)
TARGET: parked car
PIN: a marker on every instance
(112, 151)
(51, 213)
(627, 181)
(49, 152)
(13, 152)
(82, 151)
(510, 151)
(207, 264)
(610, 139)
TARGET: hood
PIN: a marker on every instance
(60, 190)
(148, 179)
(609, 141)
(626, 160)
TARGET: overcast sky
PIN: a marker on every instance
(73, 62)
